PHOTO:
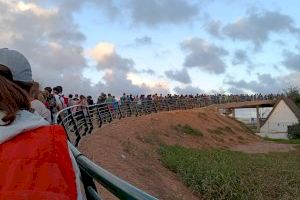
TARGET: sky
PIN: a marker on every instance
(157, 46)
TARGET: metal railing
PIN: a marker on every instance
(81, 120)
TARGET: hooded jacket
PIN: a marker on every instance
(35, 161)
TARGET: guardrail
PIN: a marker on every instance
(81, 120)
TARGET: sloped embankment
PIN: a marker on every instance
(129, 147)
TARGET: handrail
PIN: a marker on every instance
(80, 120)
(117, 186)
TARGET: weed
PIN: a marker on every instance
(224, 174)
(187, 129)
(283, 141)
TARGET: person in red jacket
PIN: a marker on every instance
(35, 161)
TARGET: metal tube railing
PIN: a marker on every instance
(114, 184)
(79, 121)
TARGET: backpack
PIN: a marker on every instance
(66, 100)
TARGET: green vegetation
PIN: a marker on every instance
(187, 129)
(223, 174)
(294, 131)
(293, 93)
(284, 141)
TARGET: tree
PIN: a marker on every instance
(292, 92)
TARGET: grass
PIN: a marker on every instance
(187, 129)
(283, 141)
(224, 174)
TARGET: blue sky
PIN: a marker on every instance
(162, 46)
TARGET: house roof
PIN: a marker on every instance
(294, 108)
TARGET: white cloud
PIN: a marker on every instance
(265, 84)
(292, 61)
(101, 51)
(256, 27)
(204, 55)
(156, 12)
(179, 75)
(188, 90)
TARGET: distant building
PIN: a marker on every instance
(284, 113)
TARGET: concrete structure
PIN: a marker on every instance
(284, 114)
(229, 108)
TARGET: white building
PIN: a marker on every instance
(284, 113)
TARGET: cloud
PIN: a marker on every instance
(53, 43)
(101, 51)
(204, 55)
(188, 90)
(291, 61)
(147, 71)
(180, 76)
(265, 84)
(256, 27)
(240, 57)
(214, 28)
(48, 37)
(234, 90)
(116, 71)
(143, 41)
(156, 12)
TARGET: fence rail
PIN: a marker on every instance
(79, 121)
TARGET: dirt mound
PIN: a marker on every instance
(129, 147)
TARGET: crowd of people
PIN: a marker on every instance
(51, 100)
(26, 115)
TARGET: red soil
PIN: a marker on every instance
(129, 147)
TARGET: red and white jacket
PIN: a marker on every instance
(35, 161)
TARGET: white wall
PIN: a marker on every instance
(279, 120)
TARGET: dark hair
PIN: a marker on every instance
(55, 89)
(49, 89)
(59, 88)
(5, 72)
(70, 95)
(12, 99)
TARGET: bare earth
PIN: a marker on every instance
(129, 147)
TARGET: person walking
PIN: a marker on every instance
(35, 160)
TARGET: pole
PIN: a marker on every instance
(257, 119)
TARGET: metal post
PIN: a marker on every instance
(257, 119)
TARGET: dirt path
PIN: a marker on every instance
(263, 147)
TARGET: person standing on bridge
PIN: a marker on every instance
(35, 161)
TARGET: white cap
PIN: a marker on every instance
(17, 64)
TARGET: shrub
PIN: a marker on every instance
(294, 131)
(187, 129)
